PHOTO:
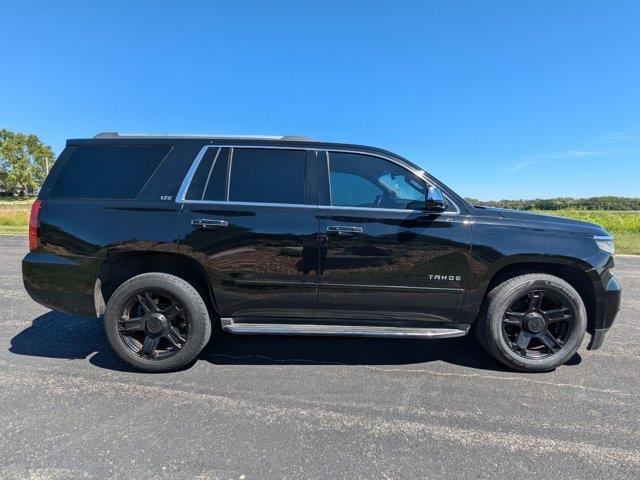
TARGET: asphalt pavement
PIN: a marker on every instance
(297, 408)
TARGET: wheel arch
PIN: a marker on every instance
(118, 267)
(573, 271)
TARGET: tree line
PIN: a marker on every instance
(24, 162)
(564, 203)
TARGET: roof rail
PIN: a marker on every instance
(292, 138)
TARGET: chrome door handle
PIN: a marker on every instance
(344, 231)
(207, 223)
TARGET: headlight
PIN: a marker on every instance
(605, 243)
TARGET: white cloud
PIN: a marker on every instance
(612, 144)
(527, 162)
(630, 133)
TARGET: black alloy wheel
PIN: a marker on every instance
(537, 324)
(153, 325)
(157, 322)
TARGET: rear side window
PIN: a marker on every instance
(210, 180)
(267, 175)
(118, 172)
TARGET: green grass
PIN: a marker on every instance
(624, 226)
(14, 215)
(8, 201)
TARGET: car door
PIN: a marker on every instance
(382, 255)
(249, 217)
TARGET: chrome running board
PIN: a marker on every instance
(228, 325)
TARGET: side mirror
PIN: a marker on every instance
(435, 200)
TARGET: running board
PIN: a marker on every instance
(228, 325)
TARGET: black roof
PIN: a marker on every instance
(105, 138)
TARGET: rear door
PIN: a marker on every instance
(382, 255)
(249, 217)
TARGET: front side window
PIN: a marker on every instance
(365, 181)
(352, 190)
(267, 175)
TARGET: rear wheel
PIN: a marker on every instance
(532, 322)
(157, 322)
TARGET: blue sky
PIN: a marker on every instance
(498, 99)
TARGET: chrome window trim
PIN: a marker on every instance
(326, 154)
(184, 187)
(302, 205)
(426, 212)
(186, 182)
(252, 204)
(229, 164)
(206, 184)
(418, 173)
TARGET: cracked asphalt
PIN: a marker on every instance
(269, 407)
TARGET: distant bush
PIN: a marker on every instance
(625, 226)
(615, 222)
(564, 203)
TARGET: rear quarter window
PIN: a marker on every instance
(118, 172)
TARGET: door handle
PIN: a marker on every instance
(207, 223)
(344, 231)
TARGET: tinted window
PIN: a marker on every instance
(107, 172)
(267, 175)
(366, 181)
(210, 180)
(352, 190)
(217, 186)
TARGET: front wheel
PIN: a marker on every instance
(157, 322)
(532, 323)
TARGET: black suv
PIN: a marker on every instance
(171, 236)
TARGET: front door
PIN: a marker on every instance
(249, 217)
(382, 256)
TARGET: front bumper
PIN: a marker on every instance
(597, 338)
(607, 306)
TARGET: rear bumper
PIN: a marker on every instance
(61, 283)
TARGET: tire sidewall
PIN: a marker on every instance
(578, 328)
(173, 287)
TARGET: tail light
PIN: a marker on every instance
(34, 225)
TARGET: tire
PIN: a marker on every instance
(176, 334)
(509, 314)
